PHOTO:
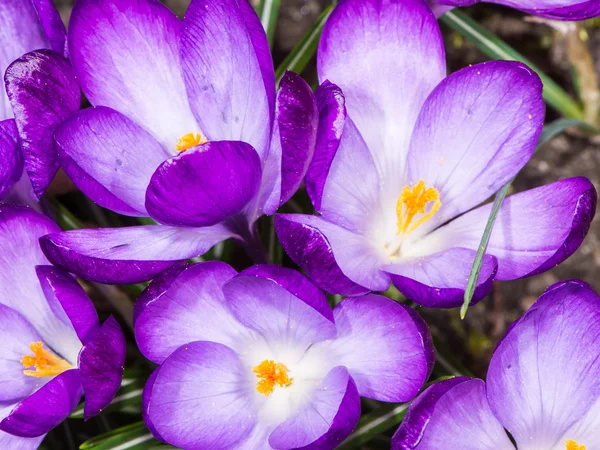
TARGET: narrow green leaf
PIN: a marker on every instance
(268, 11)
(303, 52)
(65, 219)
(548, 133)
(132, 437)
(496, 48)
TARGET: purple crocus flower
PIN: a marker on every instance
(186, 129)
(543, 386)
(404, 154)
(258, 360)
(53, 348)
(34, 84)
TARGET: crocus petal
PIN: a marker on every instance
(52, 25)
(20, 443)
(128, 255)
(476, 130)
(332, 117)
(126, 78)
(101, 366)
(228, 71)
(146, 396)
(10, 155)
(43, 92)
(556, 340)
(190, 308)
(45, 408)
(274, 312)
(22, 194)
(379, 343)
(335, 259)
(328, 419)
(534, 231)
(395, 50)
(551, 9)
(440, 280)
(204, 185)
(294, 282)
(199, 398)
(433, 420)
(60, 288)
(100, 146)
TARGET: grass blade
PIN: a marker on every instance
(268, 11)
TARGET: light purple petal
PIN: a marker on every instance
(146, 396)
(386, 56)
(52, 25)
(228, 71)
(476, 130)
(440, 280)
(110, 158)
(534, 231)
(332, 117)
(43, 92)
(545, 374)
(11, 442)
(190, 308)
(326, 420)
(199, 398)
(380, 344)
(101, 365)
(142, 79)
(128, 255)
(204, 185)
(22, 193)
(11, 169)
(46, 408)
(551, 9)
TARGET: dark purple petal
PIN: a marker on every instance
(60, 288)
(52, 25)
(332, 117)
(228, 71)
(43, 92)
(101, 365)
(128, 255)
(440, 280)
(381, 346)
(328, 418)
(204, 185)
(46, 408)
(11, 168)
(110, 158)
(551, 9)
(146, 396)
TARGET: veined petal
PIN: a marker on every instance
(20, 443)
(552, 9)
(52, 25)
(11, 169)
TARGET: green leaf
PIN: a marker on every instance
(496, 48)
(548, 133)
(303, 52)
(268, 11)
(132, 437)
(65, 219)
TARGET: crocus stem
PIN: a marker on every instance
(249, 239)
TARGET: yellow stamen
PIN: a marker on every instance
(270, 374)
(572, 445)
(413, 201)
(46, 364)
(190, 140)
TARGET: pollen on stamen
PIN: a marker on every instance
(413, 201)
(573, 445)
(271, 374)
(44, 363)
(190, 140)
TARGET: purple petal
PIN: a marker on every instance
(146, 396)
(381, 346)
(128, 255)
(545, 374)
(190, 308)
(101, 365)
(440, 280)
(110, 158)
(332, 117)
(295, 283)
(534, 231)
(22, 194)
(551, 9)
(52, 25)
(142, 79)
(394, 51)
(46, 408)
(328, 418)
(11, 442)
(11, 169)
(476, 130)
(279, 316)
(199, 398)
(43, 92)
(204, 185)
(434, 421)
(311, 243)
(228, 71)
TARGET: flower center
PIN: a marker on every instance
(572, 445)
(45, 364)
(190, 140)
(270, 374)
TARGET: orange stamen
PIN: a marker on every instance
(413, 201)
(190, 140)
(46, 364)
(573, 445)
(270, 374)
